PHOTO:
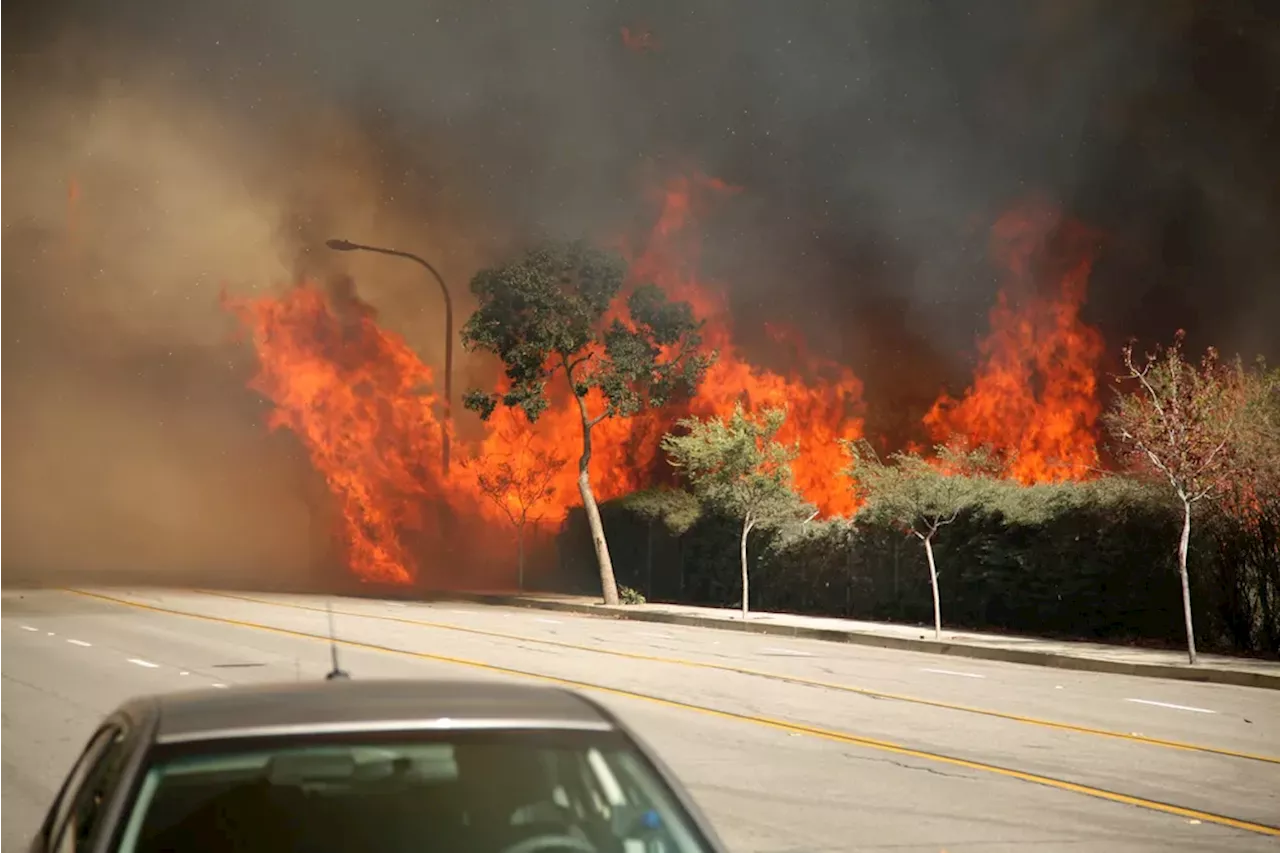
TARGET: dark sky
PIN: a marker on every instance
(875, 140)
(875, 143)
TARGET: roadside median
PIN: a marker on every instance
(1090, 657)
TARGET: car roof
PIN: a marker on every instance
(358, 705)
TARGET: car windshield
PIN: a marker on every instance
(472, 791)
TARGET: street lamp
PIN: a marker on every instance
(348, 246)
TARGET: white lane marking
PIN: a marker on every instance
(140, 662)
(548, 621)
(953, 672)
(184, 672)
(789, 652)
(79, 643)
(51, 634)
(219, 685)
(1173, 706)
(30, 628)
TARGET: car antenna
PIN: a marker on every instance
(337, 671)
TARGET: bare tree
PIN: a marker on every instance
(520, 482)
(1182, 424)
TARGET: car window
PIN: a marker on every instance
(91, 781)
(457, 791)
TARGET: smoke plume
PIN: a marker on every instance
(158, 154)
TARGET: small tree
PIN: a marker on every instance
(519, 481)
(544, 316)
(736, 465)
(919, 496)
(1182, 424)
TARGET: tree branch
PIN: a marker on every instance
(1141, 376)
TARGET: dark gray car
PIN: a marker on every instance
(382, 766)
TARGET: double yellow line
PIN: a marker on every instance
(769, 722)
(792, 679)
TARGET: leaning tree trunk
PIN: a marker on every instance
(747, 524)
(608, 585)
(1186, 582)
(933, 582)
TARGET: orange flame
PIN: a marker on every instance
(1034, 396)
(824, 400)
(359, 400)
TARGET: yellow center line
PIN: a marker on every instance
(794, 679)
(768, 722)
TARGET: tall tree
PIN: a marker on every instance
(545, 316)
(920, 496)
(1182, 423)
(738, 466)
(519, 481)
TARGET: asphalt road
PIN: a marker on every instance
(790, 745)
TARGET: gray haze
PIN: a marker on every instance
(216, 145)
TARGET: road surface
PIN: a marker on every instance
(790, 745)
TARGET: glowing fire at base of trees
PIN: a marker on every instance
(361, 401)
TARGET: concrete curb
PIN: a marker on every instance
(1201, 674)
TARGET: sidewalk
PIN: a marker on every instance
(1094, 657)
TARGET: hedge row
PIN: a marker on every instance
(1091, 561)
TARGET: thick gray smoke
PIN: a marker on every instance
(158, 152)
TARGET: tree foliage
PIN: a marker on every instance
(737, 466)
(915, 494)
(546, 316)
(1245, 528)
(676, 509)
(1182, 420)
(919, 496)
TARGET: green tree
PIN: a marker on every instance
(544, 316)
(737, 465)
(1182, 423)
(919, 496)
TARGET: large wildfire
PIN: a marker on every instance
(363, 404)
(1034, 399)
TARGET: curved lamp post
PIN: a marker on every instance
(348, 246)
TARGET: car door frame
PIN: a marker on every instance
(133, 730)
(107, 735)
